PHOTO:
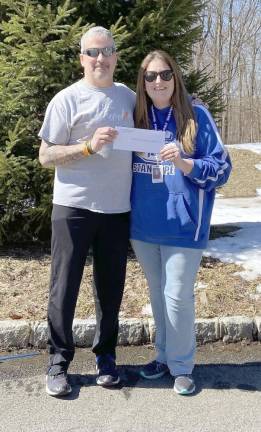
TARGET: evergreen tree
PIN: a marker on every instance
(39, 56)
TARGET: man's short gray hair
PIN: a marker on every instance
(96, 31)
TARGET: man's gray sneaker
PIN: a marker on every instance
(107, 372)
(154, 370)
(184, 384)
(57, 384)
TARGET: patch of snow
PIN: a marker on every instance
(254, 147)
(258, 289)
(146, 310)
(255, 297)
(235, 210)
(200, 285)
(243, 246)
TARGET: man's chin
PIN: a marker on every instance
(103, 79)
(101, 74)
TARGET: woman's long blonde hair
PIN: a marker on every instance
(182, 108)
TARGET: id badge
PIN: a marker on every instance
(157, 174)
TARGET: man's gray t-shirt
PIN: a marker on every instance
(100, 182)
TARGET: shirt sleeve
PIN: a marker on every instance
(56, 125)
(212, 164)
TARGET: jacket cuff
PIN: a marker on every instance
(196, 170)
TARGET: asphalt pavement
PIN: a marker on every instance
(228, 396)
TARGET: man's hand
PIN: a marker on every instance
(196, 100)
(102, 136)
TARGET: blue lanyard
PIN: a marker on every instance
(154, 120)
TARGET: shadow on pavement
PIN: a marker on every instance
(244, 377)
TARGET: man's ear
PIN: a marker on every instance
(81, 59)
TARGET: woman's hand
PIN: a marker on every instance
(102, 136)
(171, 152)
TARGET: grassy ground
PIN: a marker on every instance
(244, 178)
(219, 291)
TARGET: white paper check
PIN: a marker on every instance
(139, 140)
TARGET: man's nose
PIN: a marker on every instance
(100, 56)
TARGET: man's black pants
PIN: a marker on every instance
(74, 230)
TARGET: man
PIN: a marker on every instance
(90, 206)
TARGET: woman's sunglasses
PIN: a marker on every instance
(94, 52)
(165, 75)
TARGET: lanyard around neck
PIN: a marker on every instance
(154, 119)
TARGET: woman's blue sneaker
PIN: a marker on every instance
(154, 370)
(184, 385)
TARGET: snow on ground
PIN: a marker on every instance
(254, 147)
(243, 246)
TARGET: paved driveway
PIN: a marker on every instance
(228, 397)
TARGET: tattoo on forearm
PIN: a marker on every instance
(51, 155)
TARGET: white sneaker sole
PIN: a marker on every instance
(184, 392)
(113, 383)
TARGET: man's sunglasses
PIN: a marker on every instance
(165, 75)
(94, 52)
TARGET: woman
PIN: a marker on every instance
(172, 200)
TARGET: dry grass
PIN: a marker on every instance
(245, 178)
(226, 293)
(25, 273)
(25, 278)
